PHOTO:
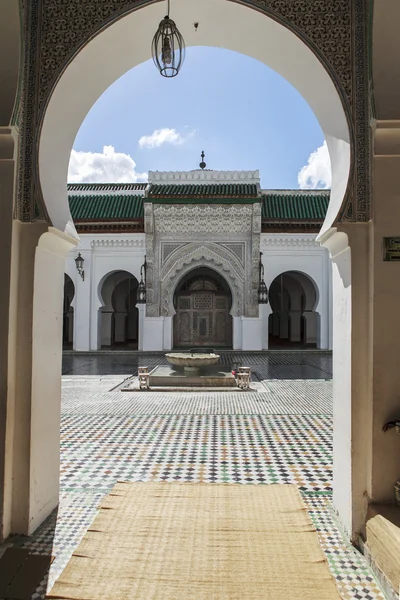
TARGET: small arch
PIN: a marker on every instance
(202, 301)
(294, 321)
(68, 312)
(118, 316)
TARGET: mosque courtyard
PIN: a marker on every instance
(279, 433)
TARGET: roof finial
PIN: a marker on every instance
(202, 165)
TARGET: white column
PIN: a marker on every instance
(168, 341)
(142, 313)
(237, 333)
(105, 327)
(44, 458)
(153, 334)
(81, 304)
(265, 311)
(312, 326)
(251, 333)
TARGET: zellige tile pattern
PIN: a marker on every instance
(280, 435)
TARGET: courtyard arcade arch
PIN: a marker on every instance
(118, 322)
(294, 319)
(121, 46)
(126, 43)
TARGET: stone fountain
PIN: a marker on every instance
(192, 363)
(192, 369)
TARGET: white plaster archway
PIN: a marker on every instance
(293, 313)
(103, 307)
(126, 43)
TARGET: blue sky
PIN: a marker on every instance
(236, 109)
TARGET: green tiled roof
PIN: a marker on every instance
(199, 192)
(111, 206)
(106, 187)
(295, 205)
(277, 205)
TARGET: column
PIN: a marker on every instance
(82, 303)
(311, 333)
(35, 355)
(352, 402)
(142, 313)
(264, 312)
(168, 337)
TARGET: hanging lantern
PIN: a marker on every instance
(141, 293)
(168, 48)
(262, 288)
(262, 293)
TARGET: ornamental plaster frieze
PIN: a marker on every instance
(204, 177)
(203, 219)
(283, 242)
(117, 243)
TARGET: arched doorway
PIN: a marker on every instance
(202, 302)
(119, 317)
(68, 312)
(293, 321)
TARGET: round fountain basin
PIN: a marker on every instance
(192, 362)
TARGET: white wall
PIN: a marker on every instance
(106, 253)
(103, 254)
(300, 252)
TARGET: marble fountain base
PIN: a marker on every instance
(208, 377)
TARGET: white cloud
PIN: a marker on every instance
(163, 136)
(106, 167)
(317, 172)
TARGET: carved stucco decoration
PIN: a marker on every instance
(194, 255)
(336, 31)
(204, 219)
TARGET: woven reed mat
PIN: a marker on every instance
(193, 541)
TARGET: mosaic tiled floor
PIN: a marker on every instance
(280, 435)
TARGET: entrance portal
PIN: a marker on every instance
(202, 302)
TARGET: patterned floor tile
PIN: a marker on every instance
(282, 435)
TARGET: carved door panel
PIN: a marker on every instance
(202, 319)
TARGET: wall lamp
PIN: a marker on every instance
(79, 266)
(141, 291)
(262, 288)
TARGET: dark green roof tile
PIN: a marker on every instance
(106, 187)
(209, 191)
(277, 205)
(295, 205)
(111, 206)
